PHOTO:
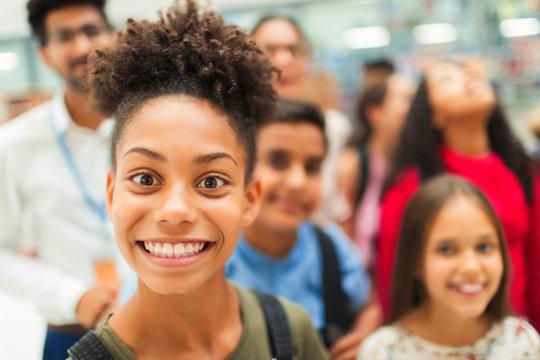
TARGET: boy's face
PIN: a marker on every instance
(178, 197)
(289, 168)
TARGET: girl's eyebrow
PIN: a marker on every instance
(203, 159)
(146, 152)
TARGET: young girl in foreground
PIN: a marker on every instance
(450, 283)
(187, 93)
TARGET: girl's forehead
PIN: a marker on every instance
(180, 122)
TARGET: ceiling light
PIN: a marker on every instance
(366, 37)
(519, 27)
(8, 61)
(434, 33)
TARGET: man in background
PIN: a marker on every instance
(288, 50)
(56, 246)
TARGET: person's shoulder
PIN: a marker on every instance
(306, 341)
(26, 126)
(377, 345)
(114, 344)
(518, 331)
(409, 177)
(405, 184)
(296, 315)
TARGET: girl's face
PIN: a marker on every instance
(456, 92)
(178, 197)
(463, 265)
(289, 162)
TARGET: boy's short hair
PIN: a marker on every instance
(380, 64)
(295, 111)
(38, 10)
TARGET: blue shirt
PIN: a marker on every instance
(298, 275)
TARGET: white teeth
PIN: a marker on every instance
(167, 250)
(470, 288)
(178, 250)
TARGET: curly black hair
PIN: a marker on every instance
(420, 141)
(38, 10)
(186, 52)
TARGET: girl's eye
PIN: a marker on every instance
(211, 182)
(486, 247)
(145, 180)
(446, 250)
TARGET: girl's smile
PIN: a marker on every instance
(178, 196)
(169, 253)
(463, 264)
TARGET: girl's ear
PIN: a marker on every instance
(252, 201)
(110, 190)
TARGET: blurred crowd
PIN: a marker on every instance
(409, 229)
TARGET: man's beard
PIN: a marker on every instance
(78, 83)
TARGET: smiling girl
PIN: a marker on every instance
(187, 92)
(457, 125)
(450, 285)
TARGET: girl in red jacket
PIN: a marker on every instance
(456, 125)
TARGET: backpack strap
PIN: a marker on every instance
(90, 347)
(337, 318)
(277, 325)
(363, 169)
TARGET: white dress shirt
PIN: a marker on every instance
(333, 205)
(42, 209)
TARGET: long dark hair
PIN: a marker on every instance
(407, 290)
(420, 141)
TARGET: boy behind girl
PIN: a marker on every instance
(283, 254)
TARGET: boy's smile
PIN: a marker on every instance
(178, 196)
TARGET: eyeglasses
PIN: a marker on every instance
(296, 50)
(65, 36)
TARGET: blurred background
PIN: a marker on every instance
(343, 36)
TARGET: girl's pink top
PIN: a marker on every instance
(366, 219)
(521, 224)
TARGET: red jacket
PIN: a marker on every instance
(521, 225)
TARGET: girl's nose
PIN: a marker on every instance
(470, 261)
(177, 207)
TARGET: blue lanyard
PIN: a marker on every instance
(98, 209)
